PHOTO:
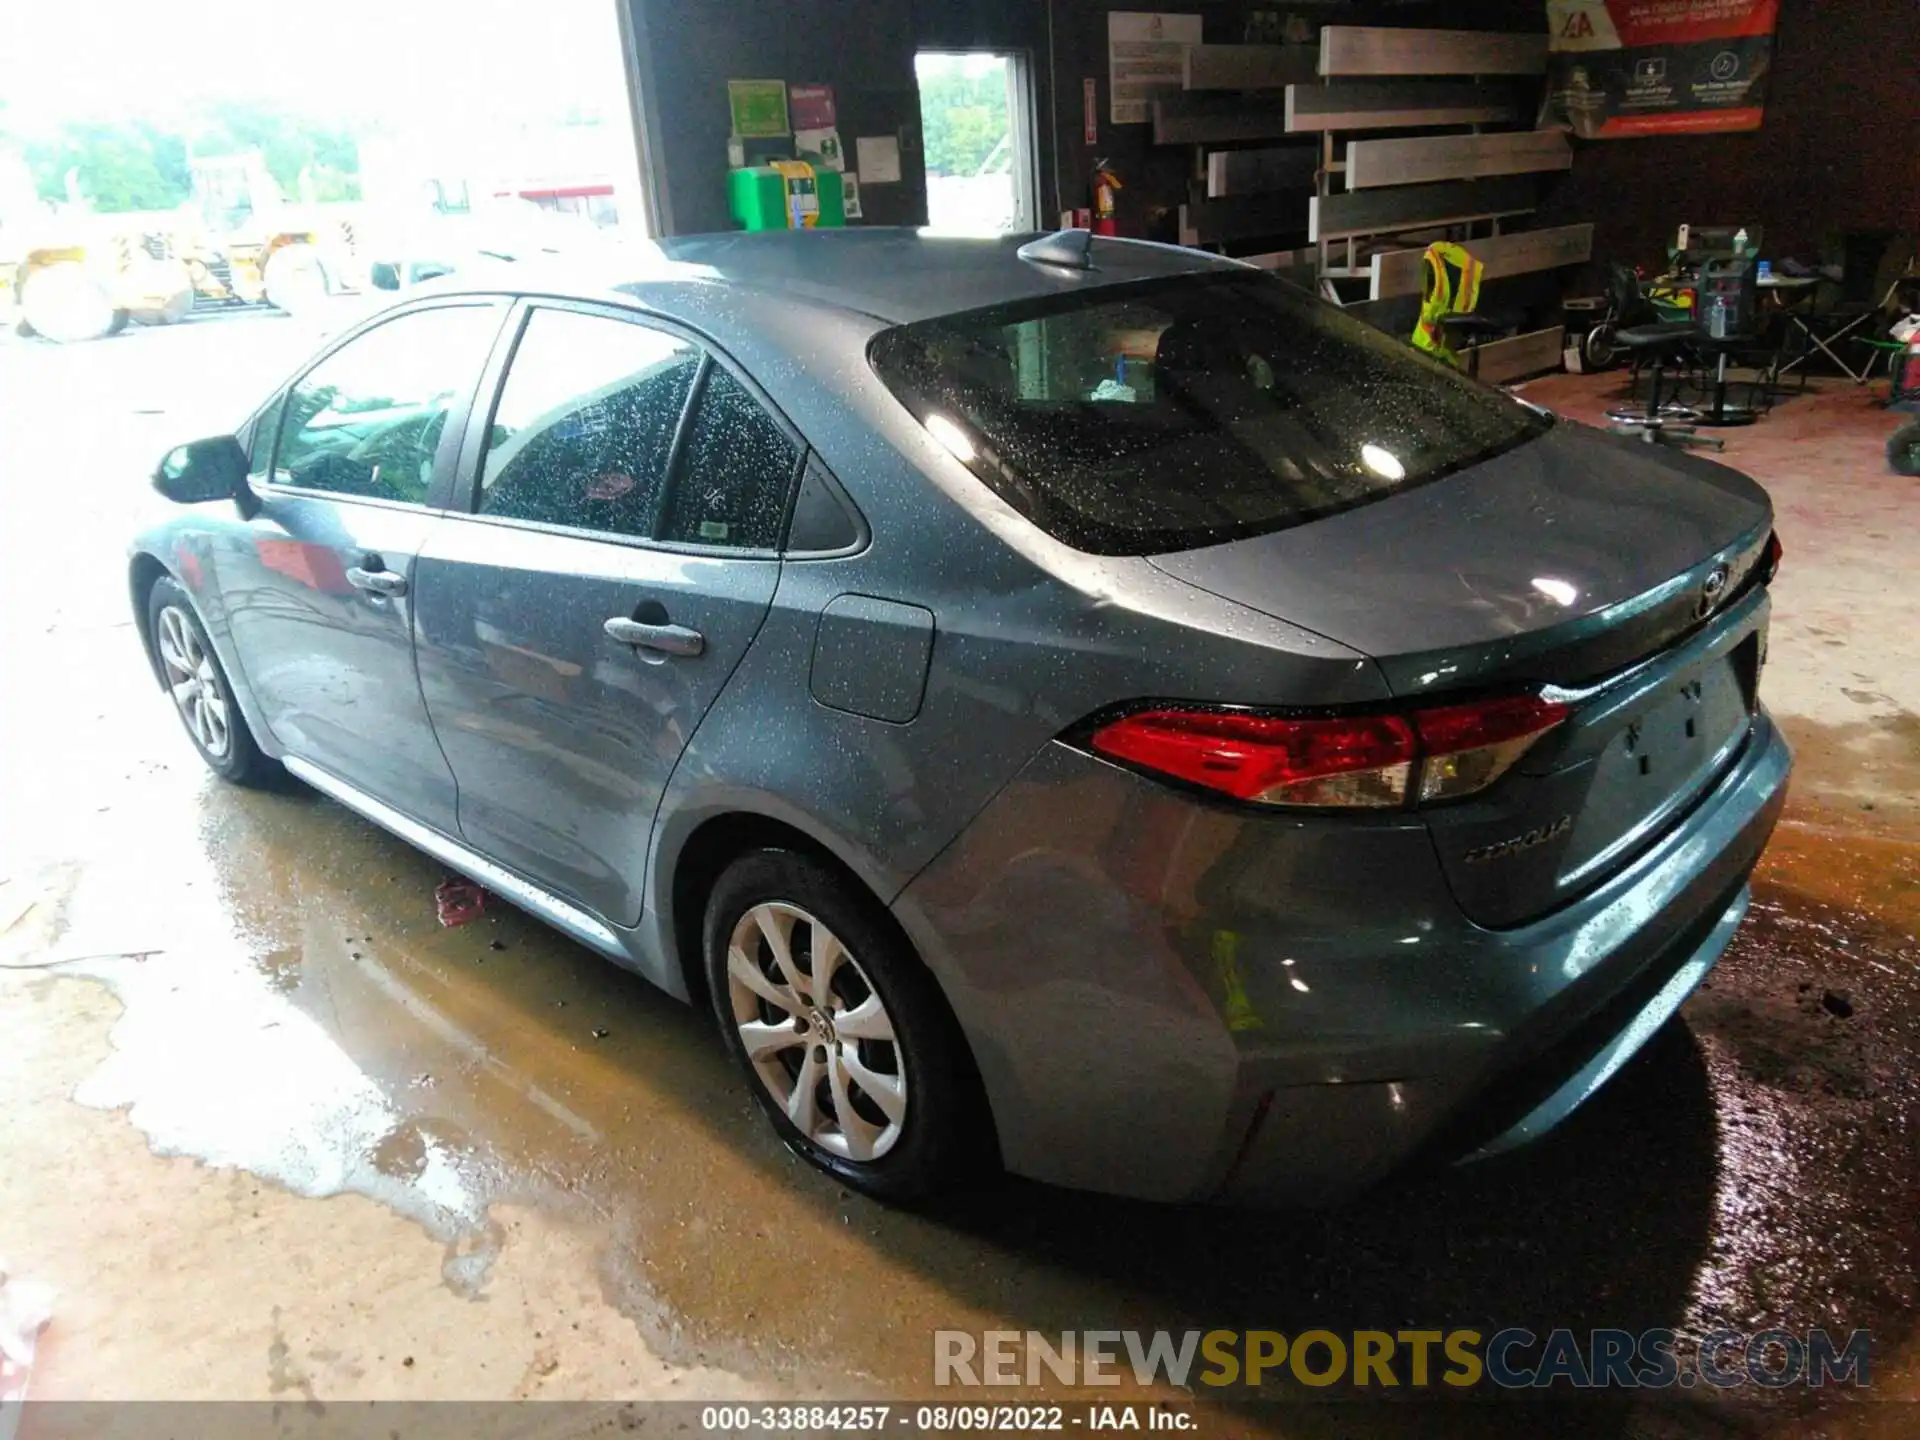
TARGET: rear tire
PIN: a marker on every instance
(202, 696)
(871, 1080)
(1597, 350)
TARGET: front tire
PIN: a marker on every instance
(64, 304)
(845, 1038)
(191, 673)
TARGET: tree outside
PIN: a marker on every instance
(118, 166)
(964, 115)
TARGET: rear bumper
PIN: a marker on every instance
(1178, 1001)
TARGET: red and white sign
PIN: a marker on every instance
(1659, 67)
(811, 107)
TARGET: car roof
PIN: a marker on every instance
(893, 275)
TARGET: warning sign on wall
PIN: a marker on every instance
(1620, 68)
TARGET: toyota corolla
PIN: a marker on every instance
(1076, 705)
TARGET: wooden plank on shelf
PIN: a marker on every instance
(1249, 67)
(1415, 161)
(1417, 207)
(1387, 50)
(1214, 222)
(1292, 263)
(1209, 119)
(1252, 172)
(1397, 104)
(1402, 272)
(1521, 355)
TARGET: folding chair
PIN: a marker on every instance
(1859, 305)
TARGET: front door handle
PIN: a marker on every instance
(377, 582)
(667, 639)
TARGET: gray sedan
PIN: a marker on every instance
(1078, 705)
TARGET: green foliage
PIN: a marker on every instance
(136, 165)
(963, 117)
(121, 167)
(287, 143)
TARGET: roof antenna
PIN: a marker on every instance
(1065, 249)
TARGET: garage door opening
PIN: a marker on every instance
(977, 122)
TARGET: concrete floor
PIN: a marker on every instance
(312, 1145)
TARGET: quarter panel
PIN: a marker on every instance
(1135, 969)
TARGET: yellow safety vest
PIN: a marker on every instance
(1452, 288)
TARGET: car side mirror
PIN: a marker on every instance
(202, 470)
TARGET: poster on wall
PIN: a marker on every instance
(759, 108)
(820, 148)
(812, 106)
(1145, 53)
(1622, 68)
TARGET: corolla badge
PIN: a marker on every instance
(1539, 835)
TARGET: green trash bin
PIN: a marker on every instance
(786, 195)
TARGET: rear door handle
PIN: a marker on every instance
(667, 639)
(377, 582)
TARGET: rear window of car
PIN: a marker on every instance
(1166, 415)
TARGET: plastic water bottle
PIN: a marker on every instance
(1717, 318)
(1740, 241)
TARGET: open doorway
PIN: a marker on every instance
(976, 121)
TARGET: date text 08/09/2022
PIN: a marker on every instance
(941, 1419)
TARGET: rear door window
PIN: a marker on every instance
(584, 429)
(735, 474)
(1161, 416)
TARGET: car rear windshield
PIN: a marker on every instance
(1139, 419)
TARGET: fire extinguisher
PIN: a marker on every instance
(1105, 186)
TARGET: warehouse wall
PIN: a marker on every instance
(688, 49)
(1838, 150)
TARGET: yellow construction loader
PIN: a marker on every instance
(73, 275)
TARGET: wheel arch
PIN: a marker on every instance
(144, 571)
(698, 858)
(691, 862)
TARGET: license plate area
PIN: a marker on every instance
(1664, 752)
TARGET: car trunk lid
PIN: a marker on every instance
(1620, 574)
(1561, 560)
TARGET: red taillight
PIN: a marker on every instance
(1776, 552)
(1359, 760)
(1340, 761)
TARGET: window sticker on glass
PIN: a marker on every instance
(738, 470)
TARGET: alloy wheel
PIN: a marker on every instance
(816, 1031)
(193, 682)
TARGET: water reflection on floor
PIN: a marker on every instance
(306, 1019)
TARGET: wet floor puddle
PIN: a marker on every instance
(306, 1019)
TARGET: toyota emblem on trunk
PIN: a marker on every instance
(1711, 590)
